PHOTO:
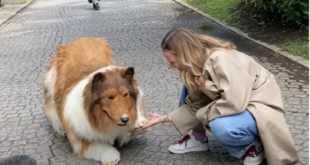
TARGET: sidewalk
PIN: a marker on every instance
(7, 11)
(134, 30)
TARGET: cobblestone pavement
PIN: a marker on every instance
(134, 29)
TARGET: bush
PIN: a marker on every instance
(291, 11)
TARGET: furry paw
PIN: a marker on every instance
(141, 121)
(110, 156)
(105, 153)
(115, 162)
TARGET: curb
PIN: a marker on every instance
(15, 12)
(302, 61)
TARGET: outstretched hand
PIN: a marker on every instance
(155, 119)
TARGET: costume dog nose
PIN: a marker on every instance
(125, 119)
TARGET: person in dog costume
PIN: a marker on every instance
(228, 93)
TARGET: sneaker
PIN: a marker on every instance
(255, 154)
(189, 144)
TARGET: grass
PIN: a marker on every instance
(219, 9)
(222, 10)
(300, 48)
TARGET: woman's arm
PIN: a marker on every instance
(155, 119)
(182, 118)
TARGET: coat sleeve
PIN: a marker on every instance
(184, 119)
(233, 82)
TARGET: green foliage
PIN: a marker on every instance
(298, 48)
(291, 11)
(219, 9)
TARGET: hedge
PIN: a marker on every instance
(291, 11)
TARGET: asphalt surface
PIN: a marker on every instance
(134, 29)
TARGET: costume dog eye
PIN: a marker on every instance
(126, 94)
(110, 97)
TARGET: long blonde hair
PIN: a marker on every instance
(192, 50)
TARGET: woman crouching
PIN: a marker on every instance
(231, 95)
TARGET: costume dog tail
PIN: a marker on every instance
(19, 160)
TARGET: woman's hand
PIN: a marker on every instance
(155, 119)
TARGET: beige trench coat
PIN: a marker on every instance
(234, 82)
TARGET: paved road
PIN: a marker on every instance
(134, 29)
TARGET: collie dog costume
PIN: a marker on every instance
(92, 100)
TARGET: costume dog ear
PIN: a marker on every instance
(128, 73)
(98, 77)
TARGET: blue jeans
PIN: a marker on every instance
(236, 133)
